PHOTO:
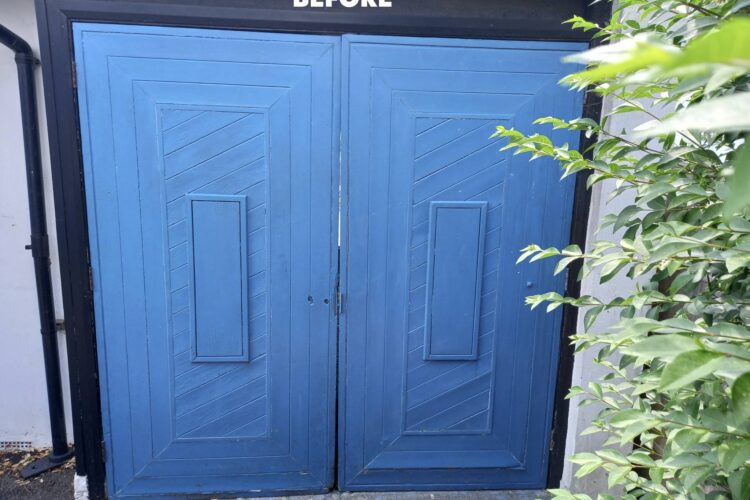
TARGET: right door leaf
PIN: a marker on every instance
(448, 378)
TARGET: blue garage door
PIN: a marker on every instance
(209, 166)
(214, 164)
(449, 378)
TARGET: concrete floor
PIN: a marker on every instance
(426, 495)
(56, 484)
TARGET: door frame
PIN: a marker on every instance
(54, 22)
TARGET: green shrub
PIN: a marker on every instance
(676, 394)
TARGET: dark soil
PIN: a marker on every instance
(56, 484)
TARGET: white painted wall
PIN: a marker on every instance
(23, 394)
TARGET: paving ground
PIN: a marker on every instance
(448, 495)
(58, 485)
(53, 485)
(425, 495)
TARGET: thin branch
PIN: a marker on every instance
(699, 8)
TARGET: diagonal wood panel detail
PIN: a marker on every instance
(453, 161)
(216, 152)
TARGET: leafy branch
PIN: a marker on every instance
(675, 396)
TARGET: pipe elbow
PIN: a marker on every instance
(16, 44)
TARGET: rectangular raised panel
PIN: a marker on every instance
(217, 248)
(454, 279)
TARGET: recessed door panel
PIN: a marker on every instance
(209, 167)
(449, 377)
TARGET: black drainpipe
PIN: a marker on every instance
(25, 62)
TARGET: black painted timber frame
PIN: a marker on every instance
(492, 19)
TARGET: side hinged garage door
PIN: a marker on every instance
(209, 167)
(214, 162)
(449, 378)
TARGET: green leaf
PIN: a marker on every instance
(732, 349)
(613, 456)
(688, 367)
(637, 428)
(585, 458)
(679, 282)
(595, 389)
(739, 182)
(528, 251)
(626, 215)
(641, 458)
(739, 484)
(734, 454)
(741, 396)
(721, 76)
(586, 469)
(623, 418)
(739, 224)
(617, 475)
(577, 22)
(574, 391)
(685, 439)
(590, 317)
(566, 495)
(671, 248)
(723, 114)
(623, 57)
(656, 474)
(732, 330)
(683, 460)
(636, 327)
(736, 259)
(666, 347)
(729, 44)
(655, 190)
(563, 264)
(693, 476)
(679, 324)
(545, 254)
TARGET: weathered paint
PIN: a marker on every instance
(209, 154)
(211, 168)
(417, 120)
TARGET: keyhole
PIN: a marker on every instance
(310, 299)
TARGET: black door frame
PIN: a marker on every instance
(54, 19)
